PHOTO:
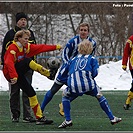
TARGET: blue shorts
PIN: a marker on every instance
(95, 92)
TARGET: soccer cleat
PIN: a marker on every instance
(29, 120)
(66, 124)
(15, 119)
(116, 120)
(126, 106)
(61, 111)
(43, 120)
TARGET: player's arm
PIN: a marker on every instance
(95, 67)
(126, 54)
(9, 64)
(67, 52)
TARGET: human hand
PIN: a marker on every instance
(52, 74)
(124, 67)
(58, 47)
(13, 81)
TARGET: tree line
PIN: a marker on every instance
(111, 23)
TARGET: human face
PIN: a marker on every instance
(24, 39)
(22, 23)
(83, 31)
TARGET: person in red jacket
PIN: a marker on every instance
(17, 62)
(14, 91)
(128, 58)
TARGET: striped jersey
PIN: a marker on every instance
(71, 48)
(82, 70)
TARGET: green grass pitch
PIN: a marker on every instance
(85, 112)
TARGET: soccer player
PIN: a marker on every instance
(70, 51)
(17, 62)
(14, 90)
(128, 56)
(81, 71)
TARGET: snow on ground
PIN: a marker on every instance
(110, 77)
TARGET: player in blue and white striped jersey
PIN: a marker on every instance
(70, 51)
(82, 70)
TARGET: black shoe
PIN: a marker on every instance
(43, 120)
(29, 120)
(126, 106)
(15, 119)
(65, 124)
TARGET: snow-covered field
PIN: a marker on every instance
(110, 77)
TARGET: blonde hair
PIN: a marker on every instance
(20, 34)
(85, 47)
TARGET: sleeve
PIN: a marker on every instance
(9, 63)
(95, 67)
(39, 48)
(127, 52)
(67, 51)
(94, 47)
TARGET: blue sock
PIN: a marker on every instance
(105, 107)
(66, 107)
(46, 100)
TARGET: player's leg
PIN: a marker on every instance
(49, 95)
(60, 80)
(104, 105)
(127, 105)
(61, 110)
(14, 102)
(27, 116)
(34, 104)
(25, 85)
(66, 105)
(39, 68)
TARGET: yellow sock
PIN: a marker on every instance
(35, 106)
(129, 98)
(39, 68)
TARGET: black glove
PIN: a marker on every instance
(52, 74)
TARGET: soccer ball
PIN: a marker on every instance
(53, 63)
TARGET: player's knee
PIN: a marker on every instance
(55, 88)
(66, 92)
(64, 98)
(99, 95)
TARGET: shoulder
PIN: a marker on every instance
(131, 38)
(130, 41)
(10, 32)
(32, 33)
(91, 57)
(74, 38)
(9, 37)
(92, 40)
(12, 47)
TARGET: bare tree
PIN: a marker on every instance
(54, 22)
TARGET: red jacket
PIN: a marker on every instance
(128, 53)
(16, 52)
